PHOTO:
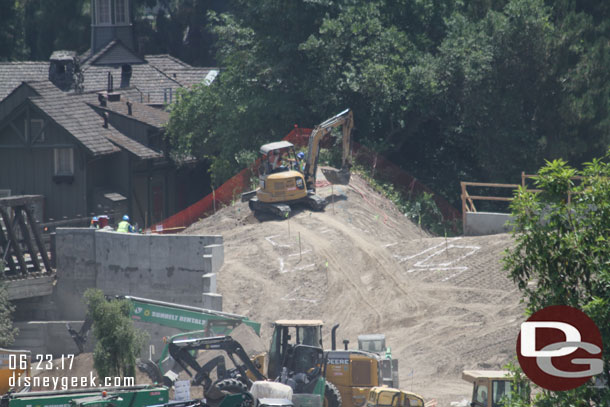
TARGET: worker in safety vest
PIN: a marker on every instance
(125, 226)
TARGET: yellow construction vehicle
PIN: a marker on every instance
(389, 397)
(355, 371)
(287, 178)
(491, 387)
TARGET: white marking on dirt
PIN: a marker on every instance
(324, 231)
(390, 244)
(276, 244)
(285, 298)
(298, 254)
(446, 249)
(433, 263)
(402, 259)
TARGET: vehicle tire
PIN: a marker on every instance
(332, 397)
(232, 386)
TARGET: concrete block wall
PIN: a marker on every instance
(173, 268)
(162, 267)
(48, 337)
(486, 223)
(76, 270)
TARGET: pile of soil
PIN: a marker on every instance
(444, 304)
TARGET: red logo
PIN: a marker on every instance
(560, 348)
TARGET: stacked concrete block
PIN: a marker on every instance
(172, 268)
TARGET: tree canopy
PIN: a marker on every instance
(449, 90)
(562, 255)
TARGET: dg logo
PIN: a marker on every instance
(560, 348)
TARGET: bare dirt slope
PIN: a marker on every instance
(444, 304)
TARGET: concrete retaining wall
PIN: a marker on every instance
(162, 267)
(48, 337)
(486, 223)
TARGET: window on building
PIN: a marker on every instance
(102, 11)
(121, 12)
(32, 129)
(64, 161)
(37, 134)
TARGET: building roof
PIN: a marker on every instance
(75, 115)
(77, 118)
(139, 111)
(13, 73)
(183, 73)
(154, 86)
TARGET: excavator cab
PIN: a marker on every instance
(293, 180)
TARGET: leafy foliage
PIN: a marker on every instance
(7, 331)
(454, 90)
(421, 209)
(118, 342)
(562, 255)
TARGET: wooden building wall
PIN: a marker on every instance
(29, 169)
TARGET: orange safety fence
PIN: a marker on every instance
(231, 190)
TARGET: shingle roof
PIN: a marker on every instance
(13, 73)
(179, 71)
(166, 62)
(72, 113)
(139, 111)
(156, 87)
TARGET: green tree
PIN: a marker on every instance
(12, 33)
(7, 331)
(52, 25)
(561, 254)
(118, 342)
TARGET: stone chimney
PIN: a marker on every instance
(64, 69)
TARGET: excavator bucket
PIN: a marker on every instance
(334, 176)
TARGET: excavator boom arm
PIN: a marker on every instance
(345, 119)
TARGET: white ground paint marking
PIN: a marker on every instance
(324, 231)
(276, 244)
(427, 264)
(402, 259)
(390, 245)
(298, 254)
(444, 249)
(285, 298)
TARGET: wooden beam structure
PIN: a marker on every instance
(17, 226)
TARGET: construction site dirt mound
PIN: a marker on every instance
(444, 304)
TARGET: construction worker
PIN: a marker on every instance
(125, 226)
(95, 224)
(301, 157)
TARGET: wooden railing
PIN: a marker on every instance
(468, 200)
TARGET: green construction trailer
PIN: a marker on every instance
(132, 396)
(186, 317)
(196, 322)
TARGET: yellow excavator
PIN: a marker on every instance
(288, 178)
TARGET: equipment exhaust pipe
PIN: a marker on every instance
(333, 335)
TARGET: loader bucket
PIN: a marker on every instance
(337, 176)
